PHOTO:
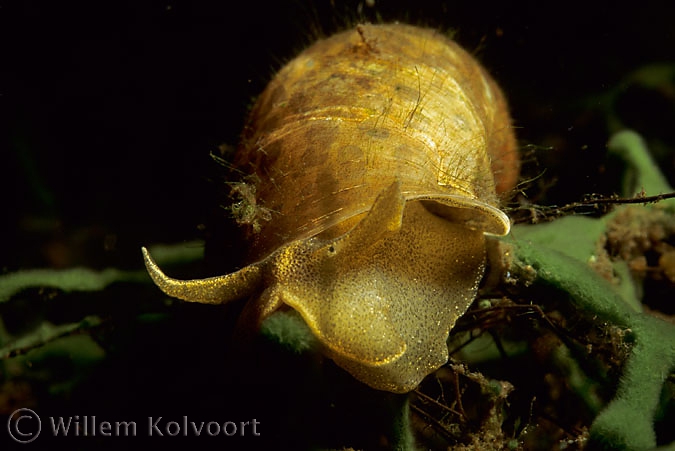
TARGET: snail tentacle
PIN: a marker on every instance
(384, 218)
(212, 290)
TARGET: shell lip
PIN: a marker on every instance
(464, 210)
(471, 213)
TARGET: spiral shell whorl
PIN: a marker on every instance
(367, 106)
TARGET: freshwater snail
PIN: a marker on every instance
(375, 157)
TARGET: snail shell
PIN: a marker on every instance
(376, 156)
(354, 112)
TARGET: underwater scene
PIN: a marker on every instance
(338, 225)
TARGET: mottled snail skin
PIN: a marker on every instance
(376, 157)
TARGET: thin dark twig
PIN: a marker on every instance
(437, 424)
(640, 199)
(460, 406)
(595, 203)
(437, 403)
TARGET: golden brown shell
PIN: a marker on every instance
(355, 111)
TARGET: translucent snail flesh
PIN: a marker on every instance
(376, 158)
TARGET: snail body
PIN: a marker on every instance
(376, 157)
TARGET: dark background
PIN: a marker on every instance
(113, 108)
(111, 111)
